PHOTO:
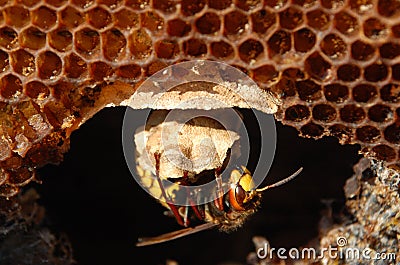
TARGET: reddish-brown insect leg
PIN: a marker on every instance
(220, 193)
(173, 207)
(197, 211)
(199, 214)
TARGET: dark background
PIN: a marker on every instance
(92, 197)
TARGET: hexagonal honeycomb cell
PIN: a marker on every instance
(36, 90)
(74, 66)
(44, 17)
(348, 72)
(362, 51)
(125, 19)
(114, 44)
(8, 38)
(290, 18)
(49, 65)
(10, 86)
(208, 23)
(141, 44)
(235, 23)
(152, 21)
(98, 17)
(23, 62)
(32, 38)
(60, 39)
(334, 64)
(16, 16)
(333, 46)
(87, 41)
(324, 113)
(222, 49)
(250, 50)
(279, 43)
(194, 47)
(71, 17)
(304, 40)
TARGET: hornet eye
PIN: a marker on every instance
(240, 194)
(236, 198)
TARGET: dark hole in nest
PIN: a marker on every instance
(93, 198)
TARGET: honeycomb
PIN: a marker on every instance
(334, 63)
